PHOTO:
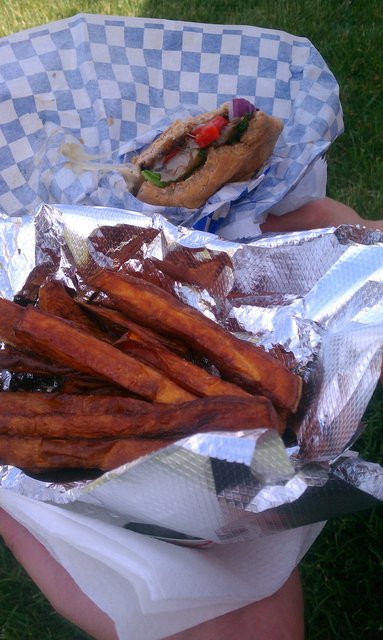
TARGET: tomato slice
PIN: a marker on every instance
(219, 121)
(207, 133)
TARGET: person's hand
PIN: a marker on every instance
(279, 617)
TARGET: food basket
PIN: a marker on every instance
(108, 85)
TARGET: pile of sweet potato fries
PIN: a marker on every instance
(129, 379)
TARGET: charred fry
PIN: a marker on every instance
(18, 360)
(120, 323)
(10, 313)
(239, 361)
(79, 383)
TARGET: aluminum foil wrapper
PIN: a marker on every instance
(314, 298)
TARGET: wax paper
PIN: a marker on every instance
(109, 85)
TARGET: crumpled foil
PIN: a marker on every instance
(314, 298)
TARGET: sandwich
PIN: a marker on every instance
(194, 158)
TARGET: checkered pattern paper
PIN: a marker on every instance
(111, 84)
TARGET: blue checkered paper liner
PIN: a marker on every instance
(111, 84)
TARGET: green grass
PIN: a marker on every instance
(348, 33)
(343, 571)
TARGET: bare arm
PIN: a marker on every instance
(318, 214)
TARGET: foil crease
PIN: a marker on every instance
(314, 298)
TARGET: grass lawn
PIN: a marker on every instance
(343, 571)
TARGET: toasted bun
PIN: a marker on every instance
(227, 163)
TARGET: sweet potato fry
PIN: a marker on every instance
(238, 361)
(57, 415)
(182, 372)
(58, 340)
(10, 313)
(79, 383)
(207, 272)
(37, 404)
(19, 360)
(29, 292)
(55, 298)
(118, 321)
(105, 454)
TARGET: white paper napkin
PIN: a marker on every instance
(152, 589)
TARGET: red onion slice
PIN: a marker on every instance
(239, 107)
